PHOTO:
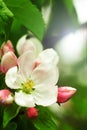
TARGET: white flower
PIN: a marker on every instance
(34, 79)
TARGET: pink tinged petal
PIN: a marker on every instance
(24, 100)
(12, 79)
(65, 93)
(45, 95)
(32, 112)
(6, 47)
(8, 61)
(26, 63)
(45, 74)
(48, 56)
(36, 64)
(9, 45)
(5, 97)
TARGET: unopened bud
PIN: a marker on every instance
(6, 47)
(5, 97)
(65, 93)
(8, 61)
(32, 112)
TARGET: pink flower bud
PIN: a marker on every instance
(6, 47)
(8, 61)
(65, 93)
(5, 97)
(32, 112)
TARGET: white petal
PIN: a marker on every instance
(13, 80)
(29, 46)
(45, 74)
(23, 99)
(37, 44)
(25, 44)
(20, 44)
(45, 95)
(25, 63)
(33, 44)
(48, 56)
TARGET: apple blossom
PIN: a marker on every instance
(65, 93)
(34, 79)
(5, 97)
(26, 44)
(8, 60)
(32, 112)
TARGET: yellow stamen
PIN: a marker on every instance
(28, 86)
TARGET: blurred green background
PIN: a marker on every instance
(67, 33)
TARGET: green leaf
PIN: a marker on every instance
(38, 3)
(44, 121)
(28, 15)
(10, 112)
(23, 123)
(17, 30)
(11, 126)
(1, 117)
(6, 18)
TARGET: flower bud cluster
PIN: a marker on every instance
(8, 58)
(34, 73)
